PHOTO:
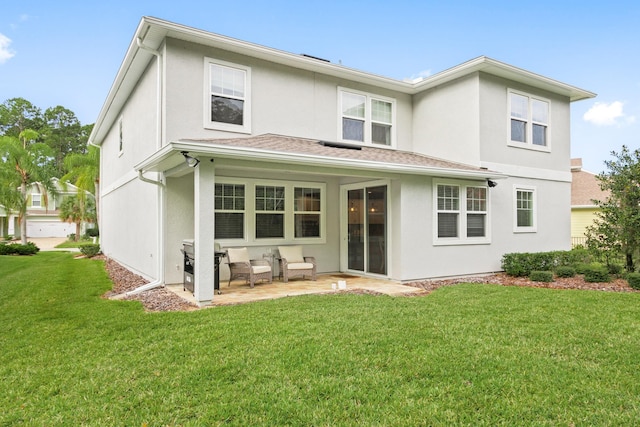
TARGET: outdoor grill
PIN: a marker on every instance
(189, 263)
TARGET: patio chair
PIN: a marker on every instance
(241, 267)
(294, 264)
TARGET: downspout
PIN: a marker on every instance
(161, 185)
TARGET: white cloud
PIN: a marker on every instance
(418, 77)
(5, 53)
(604, 114)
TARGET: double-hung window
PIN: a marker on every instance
(461, 214)
(270, 211)
(366, 118)
(528, 121)
(229, 211)
(228, 101)
(525, 209)
(36, 200)
(306, 208)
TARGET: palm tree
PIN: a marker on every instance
(74, 212)
(84, 173)
(23, 164)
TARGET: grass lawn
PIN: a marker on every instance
(464, 355)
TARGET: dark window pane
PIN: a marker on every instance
(381, 134)
(540, 135)
(447, 225)
(518, 131)
(475, 225)
(229, 225)
(269, 225)
(226, 110)
(353, 129)
(307, 225)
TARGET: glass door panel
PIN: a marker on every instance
(376, 230)
(355, 229)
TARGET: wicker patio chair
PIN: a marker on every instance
(293, 264)
(241, 267)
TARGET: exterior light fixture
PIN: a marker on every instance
(491, 183)
(192, 162)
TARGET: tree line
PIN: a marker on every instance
(35, 148)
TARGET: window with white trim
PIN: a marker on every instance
(525, 209)
(228, 101)
(461, 213)
(307, 212)
(269, 212)
(229, 211)
(529, 120)
(366, 118)
(36, 200)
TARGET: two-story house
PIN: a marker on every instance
(372, 175)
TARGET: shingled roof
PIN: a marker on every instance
(335, 150)
(584, 186)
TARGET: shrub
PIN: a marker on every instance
(581, 267)
(541, 276)
(634, 280)
(18, 249)
(615, 269)
(522, 264)
(565, 271)
(93, 232)
(90, 250)
(596, 273)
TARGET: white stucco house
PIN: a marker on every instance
(372, 175)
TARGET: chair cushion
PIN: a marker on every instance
(257, 269)
(300, 266)
(238, 254)
(291, 253)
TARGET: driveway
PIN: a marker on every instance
(50, 243)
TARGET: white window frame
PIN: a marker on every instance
(289, 212)
(368, 122)
(33, 199)
(529, 122)
(462, 238)
(534, 199)
(243, 211)
(246, 113)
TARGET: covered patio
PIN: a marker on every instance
(240, 292)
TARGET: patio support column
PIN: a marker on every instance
(204, 190)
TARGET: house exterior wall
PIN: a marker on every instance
(446, 121)
(285, 100)
(581, 218)
(129, 208)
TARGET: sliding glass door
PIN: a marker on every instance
(366, 229)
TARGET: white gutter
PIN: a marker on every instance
(161, 185)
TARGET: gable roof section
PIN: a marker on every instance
(151, 33)
(584, 187)
(311, 152)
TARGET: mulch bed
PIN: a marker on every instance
(160, 299)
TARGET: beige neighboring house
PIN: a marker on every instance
(585, 188)
(43, 218)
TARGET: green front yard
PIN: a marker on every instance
(463, 355)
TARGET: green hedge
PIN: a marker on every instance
(521, 264)
(596, 273)
(541, 276)
(565, 271)
(18, 249)
(634, 280)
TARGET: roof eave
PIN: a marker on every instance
(169, 157)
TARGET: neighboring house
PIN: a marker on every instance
(43, 214)
(372, 175)
(585, 188)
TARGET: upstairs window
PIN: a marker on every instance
(366, 118)
(228, 105)
(36, 200)
(529, 121)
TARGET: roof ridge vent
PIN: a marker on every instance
(344, 145)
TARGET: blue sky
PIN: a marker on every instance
(68, 52)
